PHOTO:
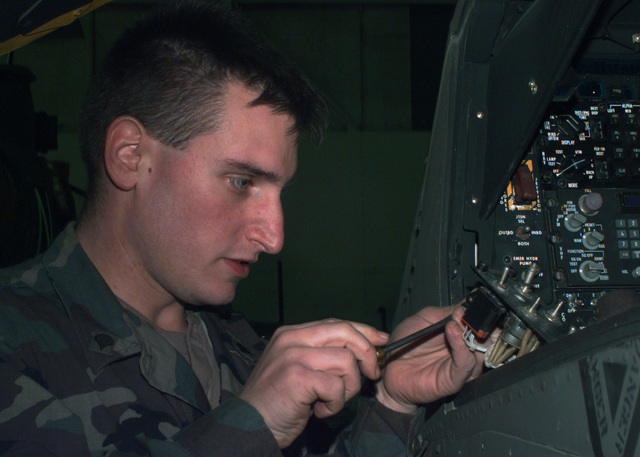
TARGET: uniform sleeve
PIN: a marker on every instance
(33, 422)
(235, 428)
(375, 431)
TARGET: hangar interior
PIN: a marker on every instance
(348, 215)
(476, 148)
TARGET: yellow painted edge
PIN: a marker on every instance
(66, 19)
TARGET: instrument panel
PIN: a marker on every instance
(573, 205)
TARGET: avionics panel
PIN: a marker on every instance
(572, 206)
(532, 184)
(532, 192)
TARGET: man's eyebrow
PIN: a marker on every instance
(254, 170)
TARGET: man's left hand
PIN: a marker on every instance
(431, 370)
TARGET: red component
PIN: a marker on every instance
(524, 186)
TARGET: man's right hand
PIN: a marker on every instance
(311, 368)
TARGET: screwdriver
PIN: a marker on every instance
(383, 352)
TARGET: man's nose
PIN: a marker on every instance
(268, 227)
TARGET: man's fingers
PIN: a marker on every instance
(360, 339)
(314, 366)
(338, 363)
(422, 319)
(463, 360)
(333, 332)
(331, 395)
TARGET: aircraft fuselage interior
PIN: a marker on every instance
(530, 212)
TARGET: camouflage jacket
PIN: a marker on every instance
(82, 376)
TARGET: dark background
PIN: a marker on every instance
(350, 211)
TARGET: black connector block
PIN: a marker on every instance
(483, 311)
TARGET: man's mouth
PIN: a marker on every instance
(239, 267)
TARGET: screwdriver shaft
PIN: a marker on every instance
(384, 351)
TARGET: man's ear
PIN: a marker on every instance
(123, 151)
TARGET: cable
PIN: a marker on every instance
(49, 215)
(40, 219)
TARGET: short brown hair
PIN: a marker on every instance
(170, 71)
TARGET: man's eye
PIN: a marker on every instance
(240, 183)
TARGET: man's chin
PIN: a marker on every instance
(216, 298)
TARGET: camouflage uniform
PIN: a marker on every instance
(81, 375)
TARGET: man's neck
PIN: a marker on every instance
(108, 251)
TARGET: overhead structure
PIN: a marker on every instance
(23, 22)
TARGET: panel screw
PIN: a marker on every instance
(533, 86)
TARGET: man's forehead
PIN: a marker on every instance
(239, 95)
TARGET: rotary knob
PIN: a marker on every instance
(591, 240)
(590, 203)
(590, 271)
(574, 221)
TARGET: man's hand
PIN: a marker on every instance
(433, 369)
(311, 368)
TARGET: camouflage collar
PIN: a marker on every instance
(109, 332)
(79, 285)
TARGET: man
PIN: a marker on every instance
(190, 133)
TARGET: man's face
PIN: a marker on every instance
(204, 214)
